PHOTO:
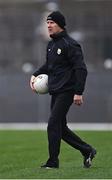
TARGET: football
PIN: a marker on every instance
(41, 84)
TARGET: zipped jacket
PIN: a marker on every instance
(64, 65)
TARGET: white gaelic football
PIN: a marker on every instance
(41, 84)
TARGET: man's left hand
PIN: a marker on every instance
(78, 99)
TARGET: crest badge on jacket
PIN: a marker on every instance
(59, 51)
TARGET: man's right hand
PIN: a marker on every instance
(32, 80)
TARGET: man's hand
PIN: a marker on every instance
(78, 99)
(32, 80)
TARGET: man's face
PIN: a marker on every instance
(53, 28)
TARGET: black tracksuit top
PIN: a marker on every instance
(64, 65)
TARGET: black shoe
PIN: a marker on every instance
(51, 165)
(46, 166)
(88, 158)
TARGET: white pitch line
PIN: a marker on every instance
(43, 126)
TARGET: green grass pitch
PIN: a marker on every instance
(22, 153)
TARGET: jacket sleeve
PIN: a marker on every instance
(76, 59)
(42, 70)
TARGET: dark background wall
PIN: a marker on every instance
(22, 50)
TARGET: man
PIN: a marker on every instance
(66, 80)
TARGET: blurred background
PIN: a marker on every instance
(23, 40)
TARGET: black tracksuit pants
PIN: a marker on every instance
(57, 126)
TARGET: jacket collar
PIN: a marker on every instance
(59, 35)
